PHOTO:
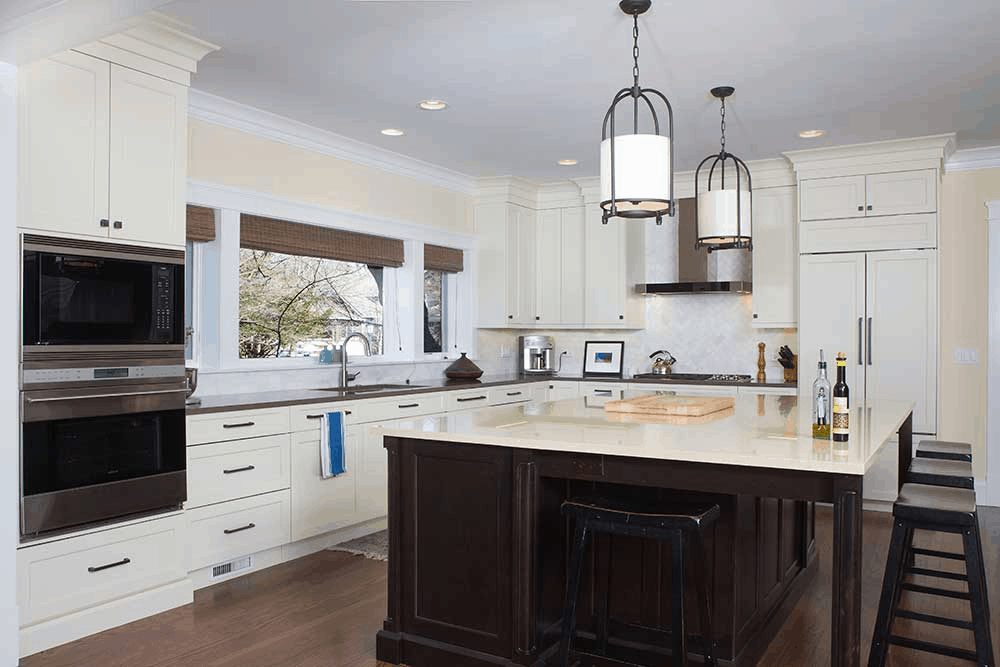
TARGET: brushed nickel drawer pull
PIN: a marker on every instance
(603, 391)
(240, 425)
(409, 405)
(230, 531)
(232, 470)
(346, 412)
(516, 393)
(123, 561)
(471, 398)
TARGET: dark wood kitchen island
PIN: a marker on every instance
(478, 549)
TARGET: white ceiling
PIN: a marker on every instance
(528, 83)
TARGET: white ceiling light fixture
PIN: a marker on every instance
(567, 162)
(811, 134)
(433, 105)
(393, 132)
(637, 170)
(722, 216)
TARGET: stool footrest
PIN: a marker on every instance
(931, 647)
(929, 618)
(937, 554)
(932, 590)
(957, 576)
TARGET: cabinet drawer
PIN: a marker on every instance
(518, 393)
(228, 470)
(398, 407)
(216, 427)
(79, 572)
(237, 528)
(307, 417)
(468, 399)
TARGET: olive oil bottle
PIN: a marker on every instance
(841, 401)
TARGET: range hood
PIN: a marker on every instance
(698, 271)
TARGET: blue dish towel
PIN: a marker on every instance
(331, 445)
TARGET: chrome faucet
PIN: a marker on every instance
(346, 377)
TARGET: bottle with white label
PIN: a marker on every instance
(841, 401)
(821, 402)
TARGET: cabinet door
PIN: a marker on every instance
(491, 265)
(148, 157)
(320, 505)
(63, 144)
(902, 192)
(901, 358)
(371, 483)
(572, 277)
(775, 253)
(828, 198)
(548, 267)
(520, 265)
(604, 302)
(831, 317)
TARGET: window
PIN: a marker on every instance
(435, 317)
(294, 305)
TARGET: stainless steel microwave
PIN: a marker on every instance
(91, 296)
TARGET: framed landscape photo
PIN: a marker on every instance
(603, 358)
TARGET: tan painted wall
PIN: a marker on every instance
(230, 157)
(963, 254)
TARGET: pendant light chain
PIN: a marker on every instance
(723, 125)
(635, 51)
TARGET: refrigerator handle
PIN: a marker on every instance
(861, 337)
(869, 341)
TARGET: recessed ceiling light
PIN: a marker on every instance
(393, 132)
(433, 105)
(567, 163)
(811, 134)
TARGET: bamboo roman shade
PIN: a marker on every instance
(440, 258)
(200, 223)
(295, 238)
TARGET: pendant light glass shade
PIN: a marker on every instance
(725, 199)
(642, 173)
(637, 169)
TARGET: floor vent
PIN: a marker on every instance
(232, 566)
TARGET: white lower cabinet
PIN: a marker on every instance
(236, 528)
(371, 483)
(559, 390)
(320, 504)
(224, 470)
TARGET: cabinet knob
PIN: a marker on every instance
(118, 224)
(861, 208)
(105, 222)
(869, 207)
(621, 317)
(510, 317)
(755, 315)
(537, 317)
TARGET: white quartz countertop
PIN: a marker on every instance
(762, 431)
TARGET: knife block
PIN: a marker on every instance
(792, 374)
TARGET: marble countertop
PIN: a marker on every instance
(254, 400)
(761, 431)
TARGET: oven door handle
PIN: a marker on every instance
(50, 399)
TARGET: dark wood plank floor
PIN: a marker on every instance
(324, 609)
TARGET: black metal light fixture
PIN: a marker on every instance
(722, 216)
(637, 170)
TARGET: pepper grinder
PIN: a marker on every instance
(761, 377)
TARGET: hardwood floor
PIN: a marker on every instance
(324, 609)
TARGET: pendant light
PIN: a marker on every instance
(722, 216)
(637, 177)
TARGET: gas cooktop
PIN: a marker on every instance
(695, 377)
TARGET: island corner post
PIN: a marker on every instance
(433, 615)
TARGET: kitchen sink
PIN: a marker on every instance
(367, 388)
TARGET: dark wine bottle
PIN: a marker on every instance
(841, 401)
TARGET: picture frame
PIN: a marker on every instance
(603, 358)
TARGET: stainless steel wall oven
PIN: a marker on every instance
(102, 383)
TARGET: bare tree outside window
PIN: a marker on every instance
(434, 299)
(292, 306)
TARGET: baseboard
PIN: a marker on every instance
(877, 505)
(63, 629)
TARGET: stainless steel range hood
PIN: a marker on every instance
(698, 271)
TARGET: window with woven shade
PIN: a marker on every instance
(305, 288)
(439, 261)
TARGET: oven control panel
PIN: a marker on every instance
(45, 375)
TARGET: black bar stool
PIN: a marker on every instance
(944, 509)
(668, 524)
(944, 449)
(941, 472)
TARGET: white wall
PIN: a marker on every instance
(9, 263)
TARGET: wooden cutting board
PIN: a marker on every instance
(644, 418)
(687, 406)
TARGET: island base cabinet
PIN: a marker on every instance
(479, 552)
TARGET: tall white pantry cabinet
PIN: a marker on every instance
(868, 277)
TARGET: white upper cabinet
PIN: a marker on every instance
(893, 193)
(559, 273)
(103, 151)
(828, 198)
(614, 264)
(520, 265)
(775, 255)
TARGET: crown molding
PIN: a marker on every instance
(234, 115)
(506, 190)
(215, 195)
(894, 155)
(970, 159)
